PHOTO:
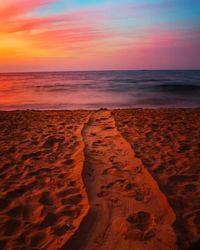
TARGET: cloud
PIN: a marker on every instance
(15, 8)
(102, 33)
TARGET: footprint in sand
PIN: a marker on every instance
(97, 143)
(46, 199)
(19, 212)
(37, 239)
(93, 134)
(117, 183)
(102, 193)
(72, 200)
(144, 222)
(141, 193)
(68, 191)
(112, 158)
(139, 226)
(111, 170)
(11, 227)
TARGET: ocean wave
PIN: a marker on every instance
(67, 90)
(178, 88)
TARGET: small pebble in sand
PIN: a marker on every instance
(69, 227)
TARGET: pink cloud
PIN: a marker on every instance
(16, 8)
(57, 31)
(67, 37)
(156, 37)
(27, 24)
(84, 17)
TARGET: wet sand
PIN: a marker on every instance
(84, 180)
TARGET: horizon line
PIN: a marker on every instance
(99, 70)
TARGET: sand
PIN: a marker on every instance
(85, 180)
(168, 143)
(43, 199)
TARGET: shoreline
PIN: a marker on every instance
(97, 109)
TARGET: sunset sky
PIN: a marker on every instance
(42, 35)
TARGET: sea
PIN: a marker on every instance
(100, 89)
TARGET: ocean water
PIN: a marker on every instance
(94, 90)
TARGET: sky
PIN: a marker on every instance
(51, 35)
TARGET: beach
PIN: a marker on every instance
(100, 179)
(99, 125)
(167, 142)
(43, 198)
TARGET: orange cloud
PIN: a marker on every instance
(84, 37)
(61, 35)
